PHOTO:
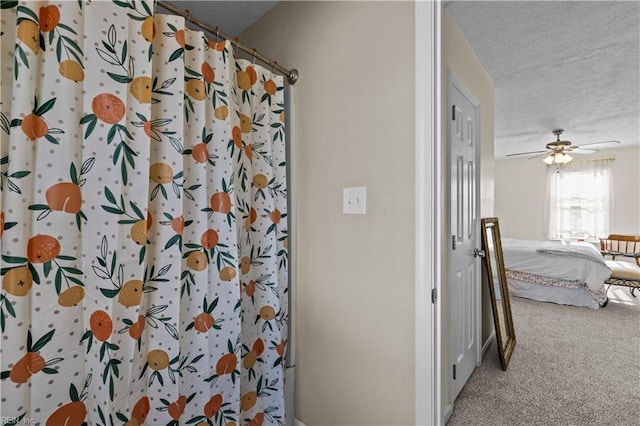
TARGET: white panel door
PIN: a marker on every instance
(463, 239)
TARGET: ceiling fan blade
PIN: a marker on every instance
(578, 150)
(525, 153)
(540, 155)
(612, 142)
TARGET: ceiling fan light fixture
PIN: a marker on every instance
(557, 158)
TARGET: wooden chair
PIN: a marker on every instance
(621, 245)
(622, 273)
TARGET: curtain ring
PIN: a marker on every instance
(254, 56)
(218, 33)
(188, 12)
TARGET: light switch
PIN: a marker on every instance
(354, 200)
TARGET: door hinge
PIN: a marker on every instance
(453, 113)
(454, 371)
(434, 295)
(453, 242)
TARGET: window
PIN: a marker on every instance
(579, 200)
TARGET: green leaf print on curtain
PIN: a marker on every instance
(143, 221)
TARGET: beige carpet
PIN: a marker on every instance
(571, 366)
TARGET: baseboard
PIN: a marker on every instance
(488, 342)
(448, 410)
(289, 396)
(297, 422)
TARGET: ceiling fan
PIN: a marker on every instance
(557, 151)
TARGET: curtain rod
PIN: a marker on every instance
(580, 162)
(593, 160)
(292, 74)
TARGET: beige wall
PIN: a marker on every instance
(460, 58)
(521, 187)
(354, 289)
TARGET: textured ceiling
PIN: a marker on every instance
(558, 64)
(232, 17)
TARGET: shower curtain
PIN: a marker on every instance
(143, 223)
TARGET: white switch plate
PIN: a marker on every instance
(354, 200)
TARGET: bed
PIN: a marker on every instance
(567, 273)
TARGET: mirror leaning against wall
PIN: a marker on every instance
(497, 281)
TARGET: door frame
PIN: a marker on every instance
(454, 82)
(428, 206)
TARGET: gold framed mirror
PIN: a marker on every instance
(497, 281)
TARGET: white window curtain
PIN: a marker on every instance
(580, 200)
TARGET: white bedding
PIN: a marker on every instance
(574, 249)
(555, 259)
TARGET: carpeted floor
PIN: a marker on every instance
(570, 366)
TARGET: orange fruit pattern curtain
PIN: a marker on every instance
(144, 221)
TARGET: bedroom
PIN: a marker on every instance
(537, 71)
(538, 65)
